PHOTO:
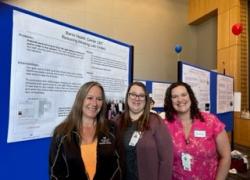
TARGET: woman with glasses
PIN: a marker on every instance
(144, 143)
(201, 144)
(83, 145)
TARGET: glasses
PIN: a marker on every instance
(141, 97)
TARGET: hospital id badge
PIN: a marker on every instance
(135, 138)
(186, 161)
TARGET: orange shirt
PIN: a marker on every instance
(88, 152)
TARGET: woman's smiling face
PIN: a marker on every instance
(93, 102)
(180, 99)
(136, 99)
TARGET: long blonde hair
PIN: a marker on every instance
(73, 121)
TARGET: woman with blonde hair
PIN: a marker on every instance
(83, 145)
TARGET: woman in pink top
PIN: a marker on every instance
(201, 145)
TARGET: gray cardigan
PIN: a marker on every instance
(154, 151)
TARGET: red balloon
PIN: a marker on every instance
(237, 29)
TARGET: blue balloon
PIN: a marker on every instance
(178, 48)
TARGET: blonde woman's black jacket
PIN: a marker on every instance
(65, 162)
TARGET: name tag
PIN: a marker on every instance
(186, 161)
(199, 133)
(135, 138)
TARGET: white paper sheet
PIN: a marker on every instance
(199, 80)
(158, 93)
(49, 64)
(224, 94)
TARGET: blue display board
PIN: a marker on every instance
(157, 90)
(226, 117)
(25, 160)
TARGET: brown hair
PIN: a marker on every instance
(168, 105)
(143, 121)
(73, 121)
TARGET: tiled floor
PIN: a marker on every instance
(241, 176)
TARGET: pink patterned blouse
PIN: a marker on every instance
(195, 158)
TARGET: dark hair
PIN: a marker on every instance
(168, 105)
(151, 100)
(74, 120)
(143, 121)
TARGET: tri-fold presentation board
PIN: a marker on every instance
(43, 64)
(214, 91)
(156, 90)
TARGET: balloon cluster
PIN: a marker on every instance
(237, 29)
